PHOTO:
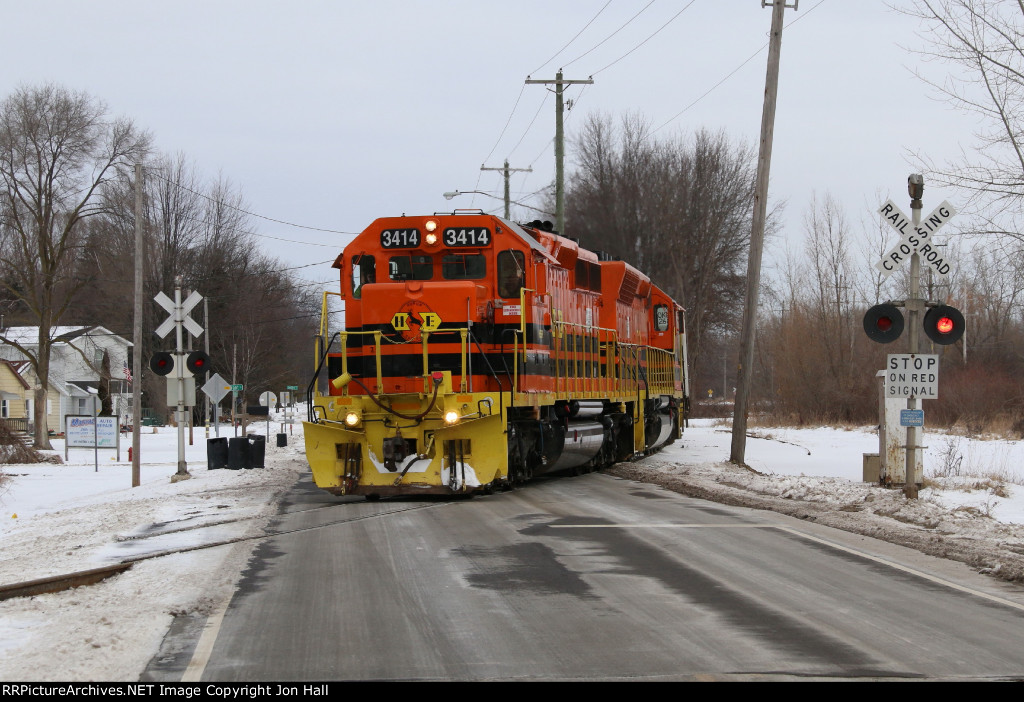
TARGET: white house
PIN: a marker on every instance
(76, 358)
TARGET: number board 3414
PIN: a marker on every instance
(467, 236)
(399, 238)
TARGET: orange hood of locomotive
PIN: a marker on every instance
(415, 305)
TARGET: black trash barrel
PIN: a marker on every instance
(239, 455)
(257, 449)
(282, 440)
(217, 453)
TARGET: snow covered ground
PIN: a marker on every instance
(84, 514)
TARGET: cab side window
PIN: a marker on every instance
(364, 270)
(511, 273)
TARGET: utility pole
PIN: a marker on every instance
(206, 373)
(915, 307)
(507, 170)
(559, 84)
(137, 335)
(234, 395)
(764, 159)
(179, 369)
(190, 409)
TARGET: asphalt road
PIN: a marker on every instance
(593, 578)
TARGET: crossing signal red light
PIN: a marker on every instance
(197, 362)
(162, 363)
(944, 324)
(883, 323)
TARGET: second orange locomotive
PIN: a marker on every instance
(477, 353)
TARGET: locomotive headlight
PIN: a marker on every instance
(451, 417)
(430, 226)
(352, 419)
(431, 238)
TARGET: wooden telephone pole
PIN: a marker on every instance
(137, 334)
(506, 170)
(559, 84)
(764, 159)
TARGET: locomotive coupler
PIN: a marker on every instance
(396, 449)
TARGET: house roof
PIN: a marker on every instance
(24, 368)
(15, 372)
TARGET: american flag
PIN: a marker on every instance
(127, 372)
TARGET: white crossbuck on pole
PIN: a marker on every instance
(915, 239)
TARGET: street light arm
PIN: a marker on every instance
(451, 194)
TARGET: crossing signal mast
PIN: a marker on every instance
(181, 387)
(942, 324)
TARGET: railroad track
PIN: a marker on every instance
(67, 581)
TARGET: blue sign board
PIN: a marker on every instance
(911, 417)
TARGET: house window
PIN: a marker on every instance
(97, 357)
(5, 408)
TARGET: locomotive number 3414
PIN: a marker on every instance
(399, 238)
(467, 236)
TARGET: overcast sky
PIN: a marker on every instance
(329, 114)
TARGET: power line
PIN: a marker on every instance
(731, 73)
(628, 22)
(537, 70)
(523, 88)
(239, 230)
(507, 122)
(530, 125)
(648, 38)
(155, 171)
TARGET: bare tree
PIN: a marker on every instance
(58, 149)
(677, 209)
(983, 43)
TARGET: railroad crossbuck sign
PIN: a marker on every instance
(912, 375)
(186, 307)
(915, 239)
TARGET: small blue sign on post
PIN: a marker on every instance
(911, 417)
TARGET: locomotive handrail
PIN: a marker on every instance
(593, 333)
(376, 351)
(511, 375)
(325, 313)
(501, 399)
(310, 413)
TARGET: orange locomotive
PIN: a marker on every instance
(478, 353)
